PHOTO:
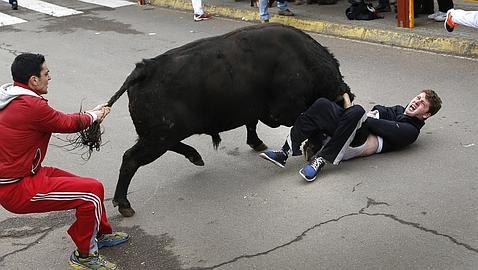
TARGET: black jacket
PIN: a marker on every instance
(397, 129)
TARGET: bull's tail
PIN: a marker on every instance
(132, 78)
(90, 138)
(216, 139)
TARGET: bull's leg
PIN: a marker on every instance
(252, 139)
(189, 152)
(140, 154)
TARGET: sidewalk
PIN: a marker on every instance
(331, 20)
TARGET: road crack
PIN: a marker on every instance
(370, 202)
(5, 47)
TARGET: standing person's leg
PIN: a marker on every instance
(443, 7)
(199, 14)
(197, 7)
(383, 6)
(428, 7)
(263, 11)
(14, 4)
(283, 8)
(350, 121)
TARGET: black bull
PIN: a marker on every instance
(267, 72)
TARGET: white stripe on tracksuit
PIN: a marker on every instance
(9, 180)
(70, 196)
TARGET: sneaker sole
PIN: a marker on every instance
(113, 243)
(264, 156)
(201, 19)
(77, 266)
(305, 177)
(445, 23)
(446, 27)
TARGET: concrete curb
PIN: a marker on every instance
(451, 45)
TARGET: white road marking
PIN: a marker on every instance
(55, 10)
(108, 3)
(6, 19)
(47, 8)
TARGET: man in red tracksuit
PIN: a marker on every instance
(26, 124)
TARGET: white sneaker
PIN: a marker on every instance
(432, 16)
(440, 17)
(206, 16)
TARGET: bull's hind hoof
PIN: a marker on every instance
(124, 208)
(126, 212)
(259, 148)
(197, 161)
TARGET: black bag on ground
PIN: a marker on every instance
(359, 10)
(327, 2)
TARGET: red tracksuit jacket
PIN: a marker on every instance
(26, 125)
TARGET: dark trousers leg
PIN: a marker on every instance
(325, 116)
(322, 116)
(350, 121)
(445, 5)
(428, 7)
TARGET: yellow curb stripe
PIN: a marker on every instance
(449, 45)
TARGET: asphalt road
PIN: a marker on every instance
(412, 209)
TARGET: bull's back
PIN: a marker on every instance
(226, 81)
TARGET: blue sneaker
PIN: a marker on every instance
(113, 239)
(309, 171)
(278, 157)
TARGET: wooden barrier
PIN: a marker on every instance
(405, 14)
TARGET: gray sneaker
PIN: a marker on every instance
(432, 16)
(287, 12)
(440, 17)
(94, 262)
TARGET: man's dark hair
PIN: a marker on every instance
(434, 100)
(26, 65)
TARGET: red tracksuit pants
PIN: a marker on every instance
(52, 189)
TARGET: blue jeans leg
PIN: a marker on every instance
(282, 5)
(263, 10)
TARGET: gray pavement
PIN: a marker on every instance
(412, 209)
(428, 35)
(336, 13)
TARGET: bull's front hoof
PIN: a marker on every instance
(259, 148)
(126, 212)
